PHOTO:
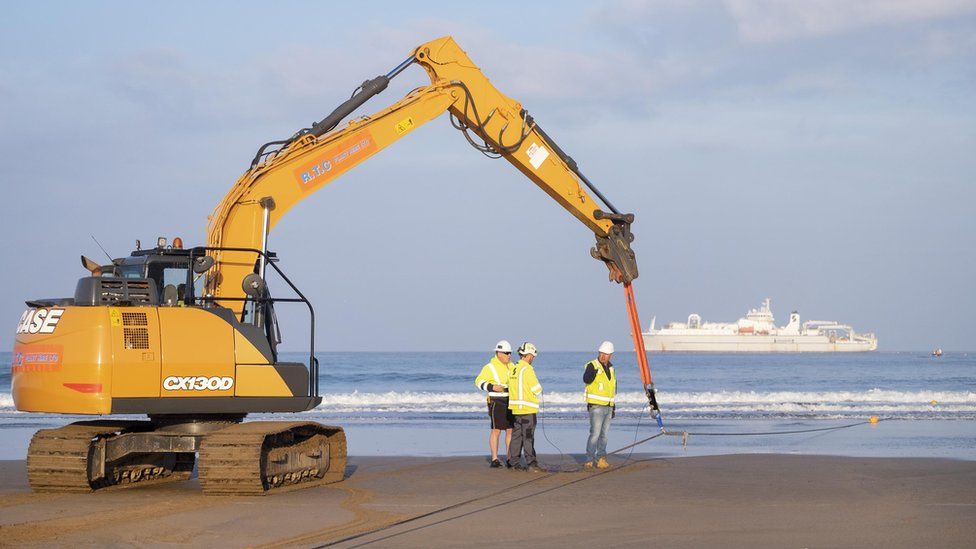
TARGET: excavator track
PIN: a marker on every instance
(264, 457)
(62, 460)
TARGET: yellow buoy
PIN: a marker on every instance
(873, 419)
(934, 402)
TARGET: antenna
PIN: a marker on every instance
(110, 260)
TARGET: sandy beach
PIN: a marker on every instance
(764, 500)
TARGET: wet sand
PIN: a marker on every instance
(763, 500)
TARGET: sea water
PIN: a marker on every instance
(427, 403)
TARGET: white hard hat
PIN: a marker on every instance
(606, 348)
(528, 349)
(503, 347)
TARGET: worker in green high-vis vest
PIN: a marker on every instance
(523, 401)
(493, 380)
(601, 392)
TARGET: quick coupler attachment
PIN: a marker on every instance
(614, 249)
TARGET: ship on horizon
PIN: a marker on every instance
(757, 333)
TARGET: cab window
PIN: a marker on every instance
(170, 278)
(131, 271)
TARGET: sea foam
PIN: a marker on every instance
(684, 404)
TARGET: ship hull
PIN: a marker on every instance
(753, 344)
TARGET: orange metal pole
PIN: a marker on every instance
(645, 370)
(641, 352)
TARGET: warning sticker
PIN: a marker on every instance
(404, 126)
(537, 154)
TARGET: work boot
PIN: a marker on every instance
(495, 464)
(602, 463)
(588, 465)
(518, 467)
(534, 468)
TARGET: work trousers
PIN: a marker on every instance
(523, 440)
(596, 445)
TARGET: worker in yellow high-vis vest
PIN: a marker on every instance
(493, 379)
(601, 392)
(523, 401)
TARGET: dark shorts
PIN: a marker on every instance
(500, 415)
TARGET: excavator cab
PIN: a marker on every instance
(168, 269)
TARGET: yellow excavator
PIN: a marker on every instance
(188, 336)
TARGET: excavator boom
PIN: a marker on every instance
(491, 121)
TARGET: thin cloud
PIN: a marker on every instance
(765, 21)
(711, 50)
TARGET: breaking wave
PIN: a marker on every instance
(676, 404)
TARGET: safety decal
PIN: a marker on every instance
(198, 383)
(39, 321)
(404, 126)
(335, 160)
(31, 357)
(537, 154)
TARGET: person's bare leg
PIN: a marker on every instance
(508, 440)
(493, 442)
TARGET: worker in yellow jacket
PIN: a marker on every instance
(523, 401)
(493, 380)
(600, 394)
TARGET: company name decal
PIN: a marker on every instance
(36, 358)
(39, 321)
(331, 163)
(197, 383)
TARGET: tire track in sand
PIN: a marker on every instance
(363, 519)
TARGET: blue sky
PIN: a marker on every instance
(820, 153)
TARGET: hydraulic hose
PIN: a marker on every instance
(363, 93)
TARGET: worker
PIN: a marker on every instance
(601, 390)
(493, 379)
(523, 400)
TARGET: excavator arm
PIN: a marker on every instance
(493, 123)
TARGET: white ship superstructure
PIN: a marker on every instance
(757, 333)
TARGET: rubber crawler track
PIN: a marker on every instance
(262, 457)
(58, 460)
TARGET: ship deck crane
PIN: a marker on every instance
(188, 336)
